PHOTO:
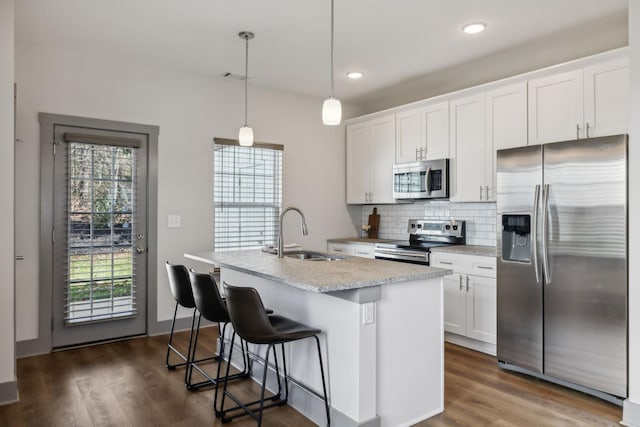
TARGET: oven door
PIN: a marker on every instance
(403, 255)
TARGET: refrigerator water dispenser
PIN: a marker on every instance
(516, 238)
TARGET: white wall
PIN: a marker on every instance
(632, 408)
(7, 319)
(190, 110)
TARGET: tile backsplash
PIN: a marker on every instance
(480, 218)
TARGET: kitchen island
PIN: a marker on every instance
(382, 338)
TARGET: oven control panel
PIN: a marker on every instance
(449, 228)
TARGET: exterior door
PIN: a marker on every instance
(99, 235)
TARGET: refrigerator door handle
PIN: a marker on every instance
(545, 249)
(534, 233)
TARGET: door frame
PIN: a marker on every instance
(43, 344)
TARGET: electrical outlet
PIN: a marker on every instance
(174, 221)
(368, 313)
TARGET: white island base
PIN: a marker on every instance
(382, 347)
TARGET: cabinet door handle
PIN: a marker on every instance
(481, 192)
(446, 263)
(577, 131)
(460, 277)
(486, 192)
(587, 129)
(485, 267)
(467, 283)
(338, 250)
(417, 154)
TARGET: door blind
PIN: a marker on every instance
(247, 196)
(101, 233)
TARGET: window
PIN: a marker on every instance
(247, 194)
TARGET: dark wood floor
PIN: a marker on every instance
(126, 384)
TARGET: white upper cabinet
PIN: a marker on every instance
(467, 149)
(408, 138)
(506, 125)
(370, 158)
(434, 125)
(578, 104)
(555, 107)
(606, 98)
(358, 165)
(423, 133)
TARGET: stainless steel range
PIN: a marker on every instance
(423, 235)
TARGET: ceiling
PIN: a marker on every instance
(390, 41)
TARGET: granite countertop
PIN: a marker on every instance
(361, 240)
(489, 251)
(319, 276)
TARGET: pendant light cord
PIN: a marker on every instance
(332, 89)
(246, 76)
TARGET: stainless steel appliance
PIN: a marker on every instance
(423, 235)
(427, 179)
(562, 263)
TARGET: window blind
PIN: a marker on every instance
(247, 195)
(100, 259)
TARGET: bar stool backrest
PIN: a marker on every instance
(248, 315)
(180, 285)
(207, 297)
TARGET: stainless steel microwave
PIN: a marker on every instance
(427, 179)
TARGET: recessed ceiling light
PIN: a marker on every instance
(474, 27)
(355, 75)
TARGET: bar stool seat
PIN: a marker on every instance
(213, 307)
(252, 323)
(181, 291)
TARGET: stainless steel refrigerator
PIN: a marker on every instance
(562, 263)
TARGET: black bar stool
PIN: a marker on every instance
(181, 291)
(251, 322)
(212, 307)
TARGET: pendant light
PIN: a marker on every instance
(245, 136)
(331, 108)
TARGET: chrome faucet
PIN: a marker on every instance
(280, 239)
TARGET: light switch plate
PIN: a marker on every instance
(174, 221)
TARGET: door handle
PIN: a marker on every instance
(545, 249)
(139, 249)
(19, 257)
(534, 233)
(467, 283)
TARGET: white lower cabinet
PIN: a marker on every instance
(470, 304)
(352, 249)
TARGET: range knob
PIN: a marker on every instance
(455, 227)
(448, 227)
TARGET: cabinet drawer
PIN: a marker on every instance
(339, 248)
(449, 261)
(365, 251)
(483, 266)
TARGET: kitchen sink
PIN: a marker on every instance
(313, 256)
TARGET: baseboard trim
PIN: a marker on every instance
(630, 414)
(32, 347)
(476, 345)
(8, 392)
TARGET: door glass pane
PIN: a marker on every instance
(100, 233)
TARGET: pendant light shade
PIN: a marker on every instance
(331, 111)
(331, 108)
(245, 136)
